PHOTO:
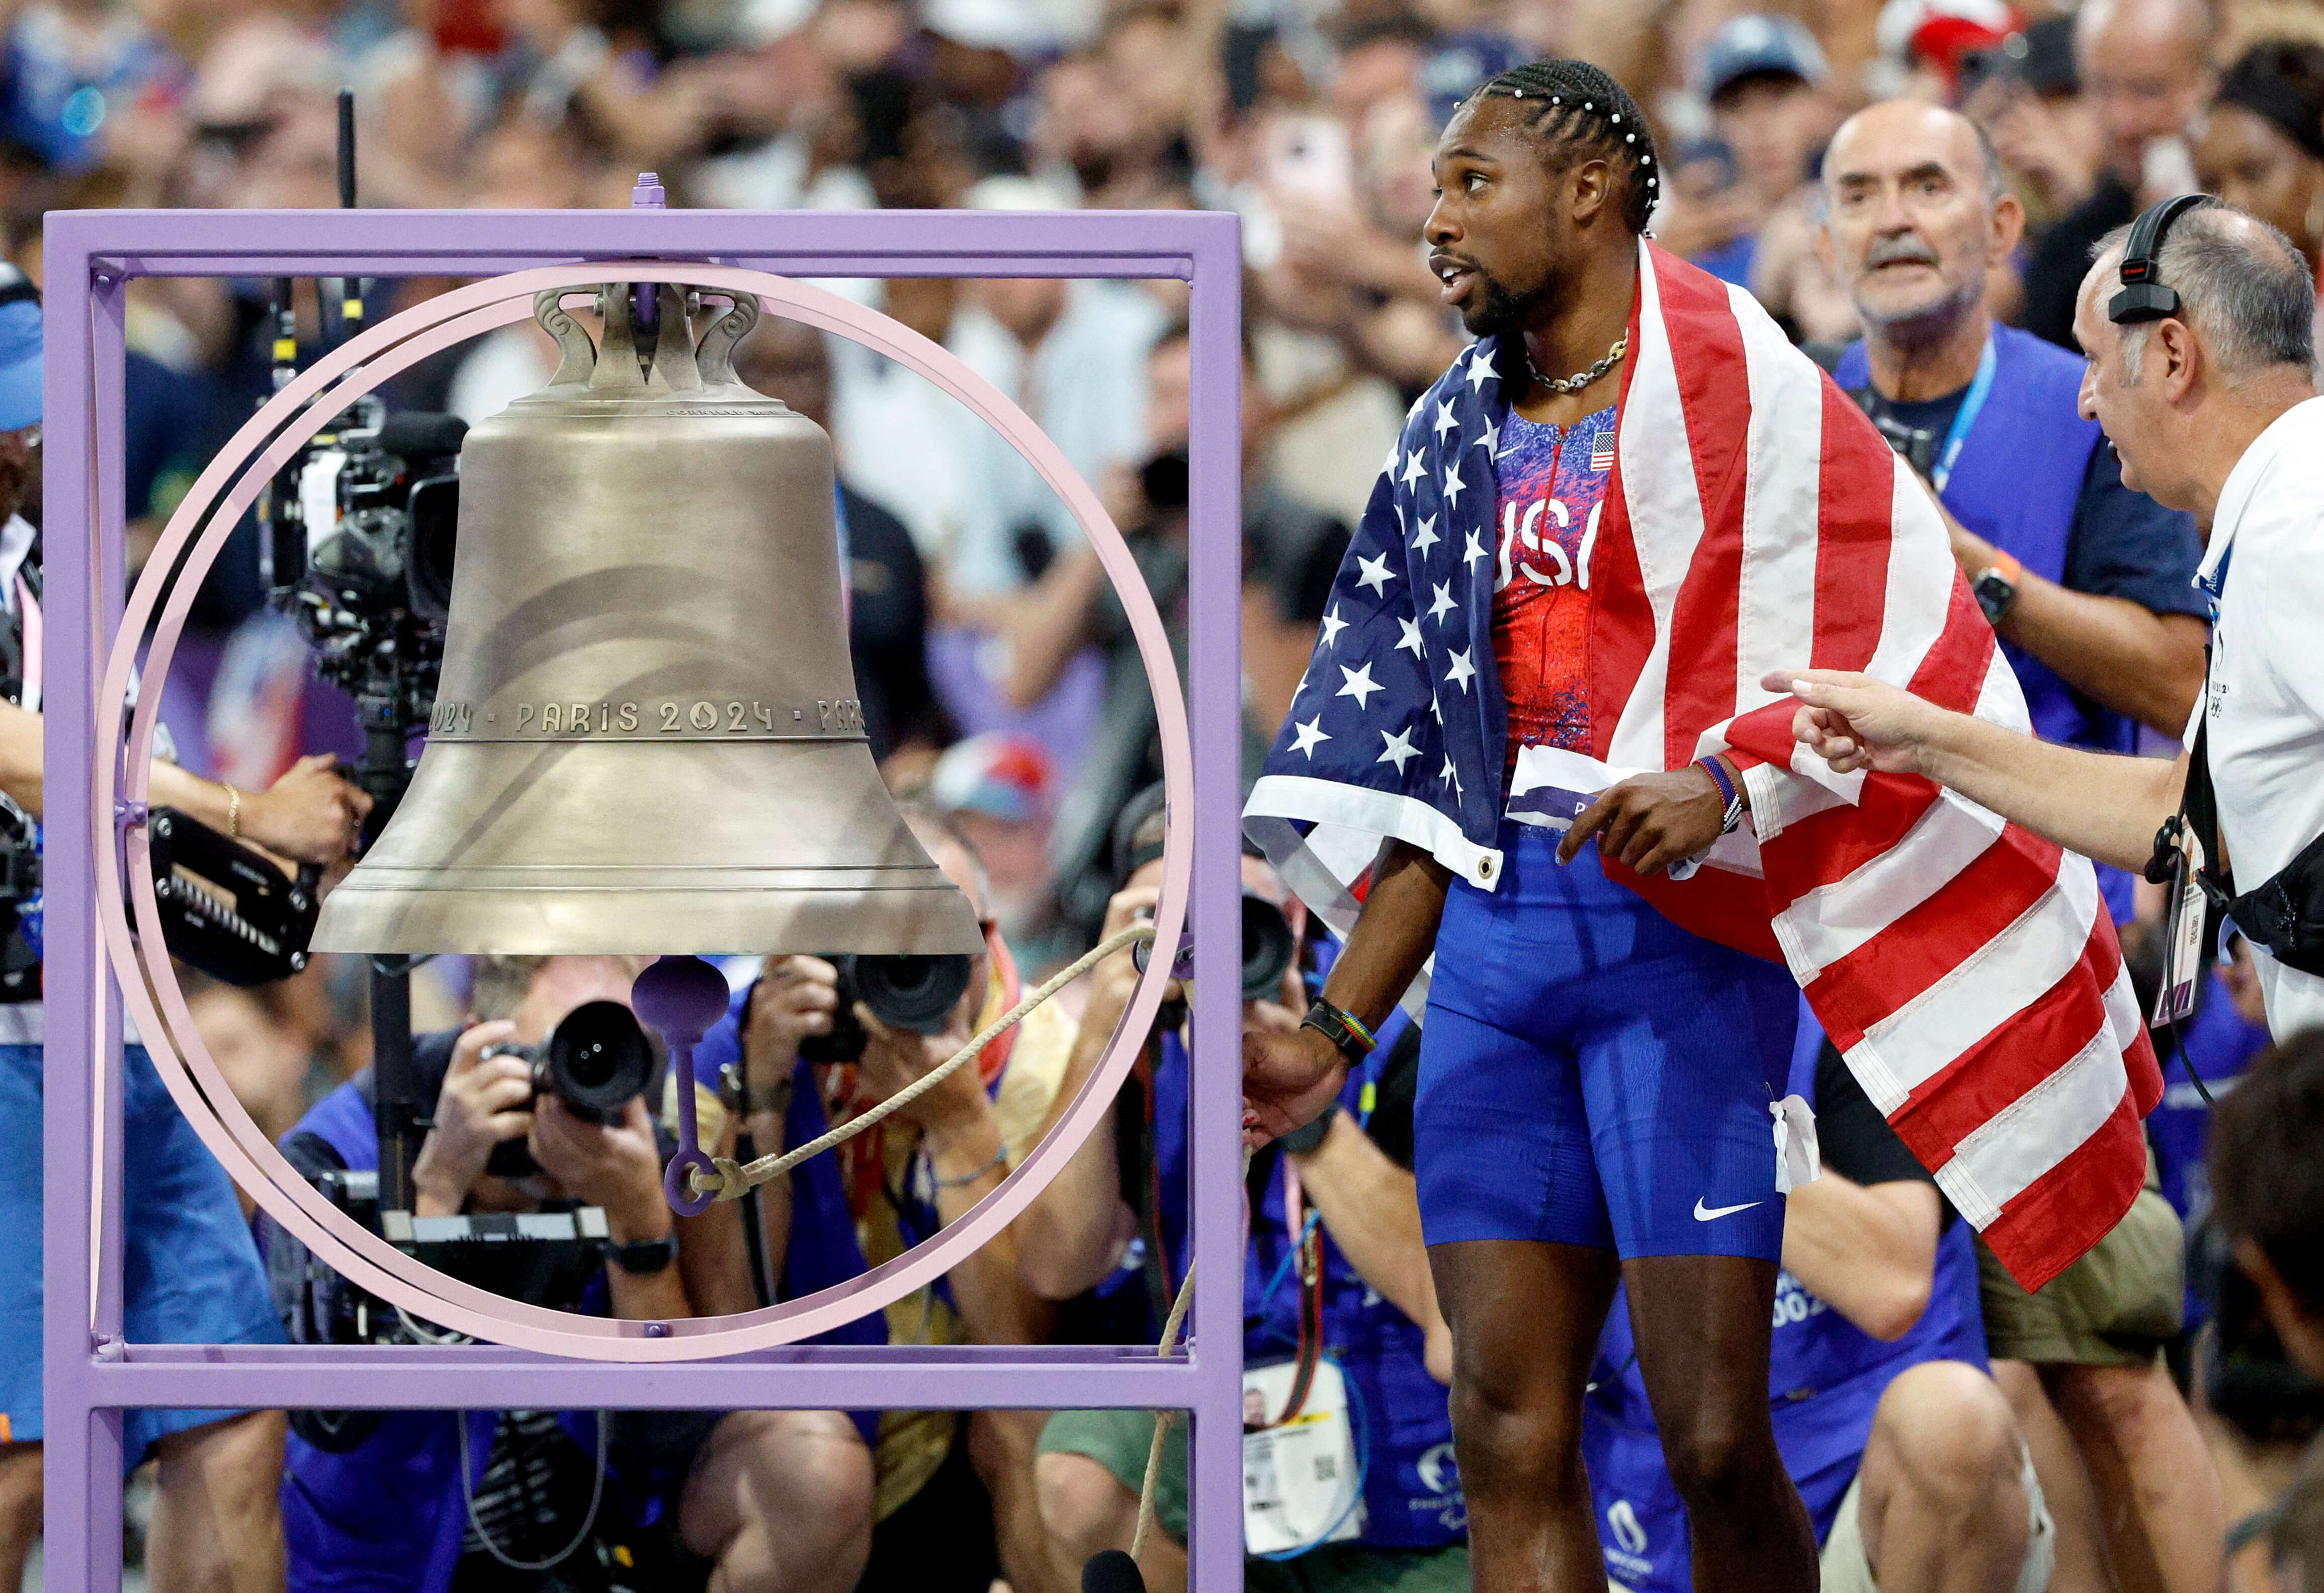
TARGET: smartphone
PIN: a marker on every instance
(1308, 156)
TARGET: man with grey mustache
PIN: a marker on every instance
(2090, 586)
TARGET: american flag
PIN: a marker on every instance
(1965, 968)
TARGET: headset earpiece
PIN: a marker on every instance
(2142, 296)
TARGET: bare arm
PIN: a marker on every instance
(2113, 651)
(993, 1299)
(2101, 805)
(307, 816)
(1072, 1233)
(1868, 1252)
(1049, 624)
(1372, 1208)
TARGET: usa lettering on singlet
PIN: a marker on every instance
(1553, 488)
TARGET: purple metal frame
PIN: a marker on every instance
(90, 1374)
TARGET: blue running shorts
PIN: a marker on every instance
(1593, 1074)
(191, 1270)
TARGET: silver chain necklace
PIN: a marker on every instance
(1580, 379)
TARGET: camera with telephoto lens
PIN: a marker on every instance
(596, 1060)
(913, 993)
(1268, 945)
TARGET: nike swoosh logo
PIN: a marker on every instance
(1716, 1212)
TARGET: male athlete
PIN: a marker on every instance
(1543, 635)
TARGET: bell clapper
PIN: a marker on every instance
(680, 998)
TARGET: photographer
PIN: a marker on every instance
(189, 1273)
(423, 1500)
(1348, 1287)
(803, 1050)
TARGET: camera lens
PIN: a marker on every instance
(598, 1058)
(1267, 946)
(916, 992)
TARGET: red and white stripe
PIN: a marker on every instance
(1965, 967)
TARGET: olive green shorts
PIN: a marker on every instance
(2114, 1306)
(1119, 1441)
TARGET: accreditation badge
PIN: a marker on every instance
(1300, 1481)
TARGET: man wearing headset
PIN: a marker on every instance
(2197, 323)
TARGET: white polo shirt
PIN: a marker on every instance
(2266, 693)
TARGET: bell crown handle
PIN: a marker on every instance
(716, 358)
(577, 355)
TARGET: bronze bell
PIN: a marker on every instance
(646, 736)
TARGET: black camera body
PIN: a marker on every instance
(596, 1060)
(915, 993)
(1917, 446)
(1268, 945)
(356, 543)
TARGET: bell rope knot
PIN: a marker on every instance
(725, 1181)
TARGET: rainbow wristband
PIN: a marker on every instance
(1734, 815)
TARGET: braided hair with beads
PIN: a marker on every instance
(1573, 103)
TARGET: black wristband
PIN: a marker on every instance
(1353, 1040)
(1303, 1140)
(643, 1259)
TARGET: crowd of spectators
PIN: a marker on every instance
(1009, 707)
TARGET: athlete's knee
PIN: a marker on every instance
(1083, 1507)
(1943, 1433)
(1719, 1452)
(1505, 1435)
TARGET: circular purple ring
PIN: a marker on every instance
(232, 482)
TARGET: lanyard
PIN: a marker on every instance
(1979, 389)
(2214, 584)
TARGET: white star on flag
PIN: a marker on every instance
(1308, 735)
(1453, 485)
(1479, 373)
(1426, 537)
(1436, 709)
(1450, 775)
(1474, 551)
(1462, 669)
(1376, 574)
(1411, 636)
(1444, 421)
(1333, 625)
(1359, 684)
(1443, 604)
(1412, 470)
(1490, 441)
(1400, 750)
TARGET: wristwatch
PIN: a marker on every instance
(1343, 1029)
(1995, 587)
(642, 1258)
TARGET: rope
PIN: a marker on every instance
(731, 1180)
(1164, 1420)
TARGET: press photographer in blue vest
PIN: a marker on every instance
(2089, 584)
(190, 1273)
(2201, 349)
